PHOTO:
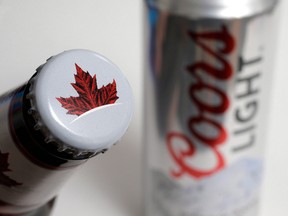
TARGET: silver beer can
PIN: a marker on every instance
(207, 83)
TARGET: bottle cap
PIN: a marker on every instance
(81, 101)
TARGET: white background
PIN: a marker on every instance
(111, 184)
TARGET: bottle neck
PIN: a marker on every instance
(30, 141)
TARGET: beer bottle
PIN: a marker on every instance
(77, 105)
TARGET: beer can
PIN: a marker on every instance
(207, 80)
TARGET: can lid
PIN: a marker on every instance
(81, 101)
(222, 9)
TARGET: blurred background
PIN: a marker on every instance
(111, 184)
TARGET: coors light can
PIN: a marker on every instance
(206, 85)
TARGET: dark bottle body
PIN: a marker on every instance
(31, 175)
(55, 122)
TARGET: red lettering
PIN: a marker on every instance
(228, 45)
(220, 69)
(224, 100)
(212, 142)
(181, 155)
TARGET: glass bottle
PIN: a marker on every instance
(77, 105)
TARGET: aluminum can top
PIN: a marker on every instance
(222, 9)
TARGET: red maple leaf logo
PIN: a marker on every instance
(4, 179)
(90, 96)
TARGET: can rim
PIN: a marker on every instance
(220, 10)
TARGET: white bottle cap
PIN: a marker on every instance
(82, 101)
